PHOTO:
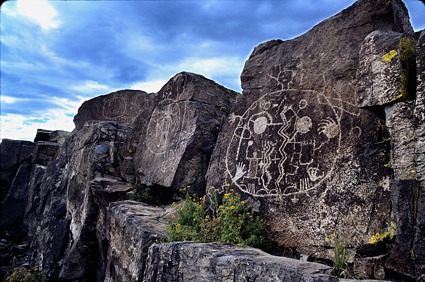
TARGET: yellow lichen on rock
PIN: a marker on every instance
(389, 56)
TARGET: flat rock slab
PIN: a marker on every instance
(187, 261)
(125, 235)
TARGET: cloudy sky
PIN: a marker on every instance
(57, 54)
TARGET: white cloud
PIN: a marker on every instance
(22, 127)
(213, 67)
(10, 100)
(149, 86)
(89, 85)
(39, 12)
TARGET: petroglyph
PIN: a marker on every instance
(114, 107)
(286, 142)
(170, 128)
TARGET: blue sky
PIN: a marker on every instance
(57, 54)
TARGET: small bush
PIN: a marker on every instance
(142, 193)
(227, 220)
(340, 260)
(22, 274)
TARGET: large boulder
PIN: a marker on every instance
(298, 145)
(182, 132)
(121, 106)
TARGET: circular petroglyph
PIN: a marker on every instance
(260, 125)
(114, 107)
(303, 124)
(284, 144)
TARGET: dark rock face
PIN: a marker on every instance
(22, 170)
(13, 207)
(121, 106)
(125, 234)
(68, 215)
(13, 154)
(55, 136)
(23, 163)
(327, 140)
(72, 219)
(182, 131)
(419, 144)
(186, 261)
(298, 144)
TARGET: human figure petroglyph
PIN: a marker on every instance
(170, 126)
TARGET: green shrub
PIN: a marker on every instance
(141, 193)
(340, 259)
(215, 218)
(22, 274)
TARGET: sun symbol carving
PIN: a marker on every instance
(329, 128)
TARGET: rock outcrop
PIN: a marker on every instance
(327, 144)
(14, 153)
(322, 143)
(125, 234)
(71, 206)
(23, 164)
(121, 106)
(65, 221)
(186, 261)
(182, 132)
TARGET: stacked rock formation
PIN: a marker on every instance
(326, 143)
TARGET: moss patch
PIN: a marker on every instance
(408, 68)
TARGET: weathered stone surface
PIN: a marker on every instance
(369, 267)
(419, 241)
(298, 145)
(400, 123)
(107, 190)
(13, 154)
(182, 132)
(65, 239)
(95, 165)
(402, 198)
(55, 136)
(382, 69)
(12, 208)
(186, 261)
(128, 150)
(47, 223)
(125, 233)
(45, 152)
(30, 217)
(122, 107)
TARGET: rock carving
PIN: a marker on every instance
(278, 145)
